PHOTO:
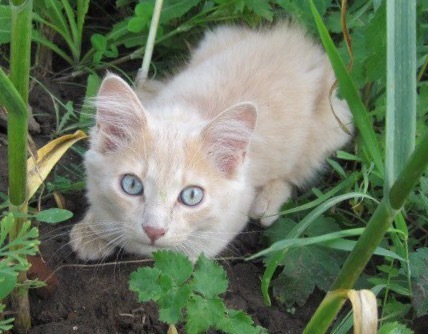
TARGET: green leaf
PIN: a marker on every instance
(172, 302)
(419, 272)
(209, 278)
(88, 111)
(176, 8)
(394, 310)
(305, 268)
(99, 42)
(174, 265)
(202, 314)
(145, 282)
(302, 11)
(401, 87)
(5, 24)
(8, 279)
(53, 216)
(136, 24)
(394, 328)
(261, 8)
(82, 10)
(375, 47)
(237, 322)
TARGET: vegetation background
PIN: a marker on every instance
(76, 41)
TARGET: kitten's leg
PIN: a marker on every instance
(268, 201)
(86, 243)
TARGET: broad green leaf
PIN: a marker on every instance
(145, 282)
(174, 265)
(237, 322)
(305, 268)
(393, 310)
(172, 9)
(47, 157)
(419, 272)
(209, 278)
(394, 328)
(375, 47)
(53, 216)
(202, 314)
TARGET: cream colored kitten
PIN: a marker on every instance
(184, 166)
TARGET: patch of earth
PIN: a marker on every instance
(94, 298)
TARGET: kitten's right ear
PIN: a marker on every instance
(226, 137)
(120, 115)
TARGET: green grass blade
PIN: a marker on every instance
(295, 233)
(332, 240)
(40, 39)
(320, 209)
(342, 185)
(74, 31)
(401, 87)
(410, 174)
(350, 93)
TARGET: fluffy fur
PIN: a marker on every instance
(246, 120)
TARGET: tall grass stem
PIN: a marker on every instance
(151, 40)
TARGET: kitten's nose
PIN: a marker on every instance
(154, 233)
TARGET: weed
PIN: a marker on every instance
(184, 292)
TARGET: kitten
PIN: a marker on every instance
(184, 165)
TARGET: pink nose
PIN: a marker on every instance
(154, 233)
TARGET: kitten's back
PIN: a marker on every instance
(288, 76)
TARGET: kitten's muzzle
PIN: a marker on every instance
(154, 233)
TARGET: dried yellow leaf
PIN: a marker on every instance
(47, 157)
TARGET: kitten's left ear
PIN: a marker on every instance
(120, 114)
(226, 137)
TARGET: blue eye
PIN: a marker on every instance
(131, 185)
(191, 196)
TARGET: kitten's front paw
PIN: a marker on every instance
(88, 245)
(268, 201)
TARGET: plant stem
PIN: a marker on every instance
(20, 48)
(151, 40)
(372, 236)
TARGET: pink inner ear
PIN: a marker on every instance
(227, 137)
(112, 137)
(120, 114)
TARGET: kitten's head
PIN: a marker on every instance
(167, 182)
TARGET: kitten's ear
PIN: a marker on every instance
(120, 114)
(226, 137)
